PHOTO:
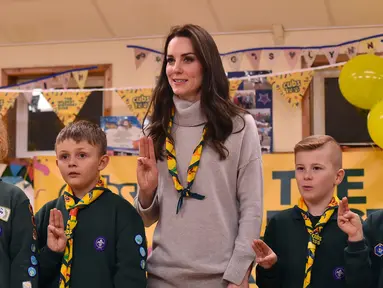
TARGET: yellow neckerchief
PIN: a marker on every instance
(72, 207)
(315, 238)
(192, 169)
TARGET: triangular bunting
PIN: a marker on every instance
(369, 46)
(7, 99)
(49, 83)
(271, 57)
(140, 55)
(80, 77)
(254, 57)
(351, 50)
(66, 105)
(234, 61)
(309, 56)
(292, 86)
(63, 80)
(39, 85)
(233, 87)
(331, 54)
(15, 169)
(28, 95)
(158, 59)
(138, 100)
(292, 57)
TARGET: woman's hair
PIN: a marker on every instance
(3, 141)
(215, 101)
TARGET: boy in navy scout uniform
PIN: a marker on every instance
(370, 236)
(304, 246)
(103, 243)
(18, 236)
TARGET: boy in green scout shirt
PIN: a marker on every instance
(368, 235)
(303, 246)
(18, 236)
(104, 242)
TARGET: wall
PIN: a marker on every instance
(287, 121)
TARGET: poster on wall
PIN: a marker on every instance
(122, 134)
(256, 96)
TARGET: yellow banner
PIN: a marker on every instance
(66, 104)
(233, 87)
(7, 99)
(80, 77)
(138, 100)
(362, 183)
(292, 86)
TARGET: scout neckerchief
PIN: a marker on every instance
(315, 238)
(192, 169)
(72, 207)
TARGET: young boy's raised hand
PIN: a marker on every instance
(56, 236)
(265, 256)
(349, 222)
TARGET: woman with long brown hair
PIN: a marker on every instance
(199, 171)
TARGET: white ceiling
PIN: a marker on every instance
(53, 20)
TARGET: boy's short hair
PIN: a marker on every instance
(84, 131)
(315, 142)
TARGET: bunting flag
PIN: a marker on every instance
(158, 59)
(233, 87)
(7, 99)
(66, 105)
(80, 77)
(271, 56)
(234, 61)
(15, 168)
(292, 86)
(291, 54)
(254, 58)
(63, 80)
(48, 83)
(292, 57)
(140, 55)
(331, 54)
(351, 50)
(369, 46)
(28, 95)
(138, 100)
(309, 55)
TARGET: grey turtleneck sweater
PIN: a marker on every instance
(208, 243)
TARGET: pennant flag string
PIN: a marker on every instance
(45, 78)
(275, 48)
(143, 87)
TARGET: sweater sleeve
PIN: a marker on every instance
(151, 214)
(250, 199)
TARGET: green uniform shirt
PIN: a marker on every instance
(18, 239)
(109, 249)
(333, 267)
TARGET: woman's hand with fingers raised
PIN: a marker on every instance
(147, 173)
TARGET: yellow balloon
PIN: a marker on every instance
(375, 124)
(361, 81)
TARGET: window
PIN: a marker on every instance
(37, 125)
(333, 115)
